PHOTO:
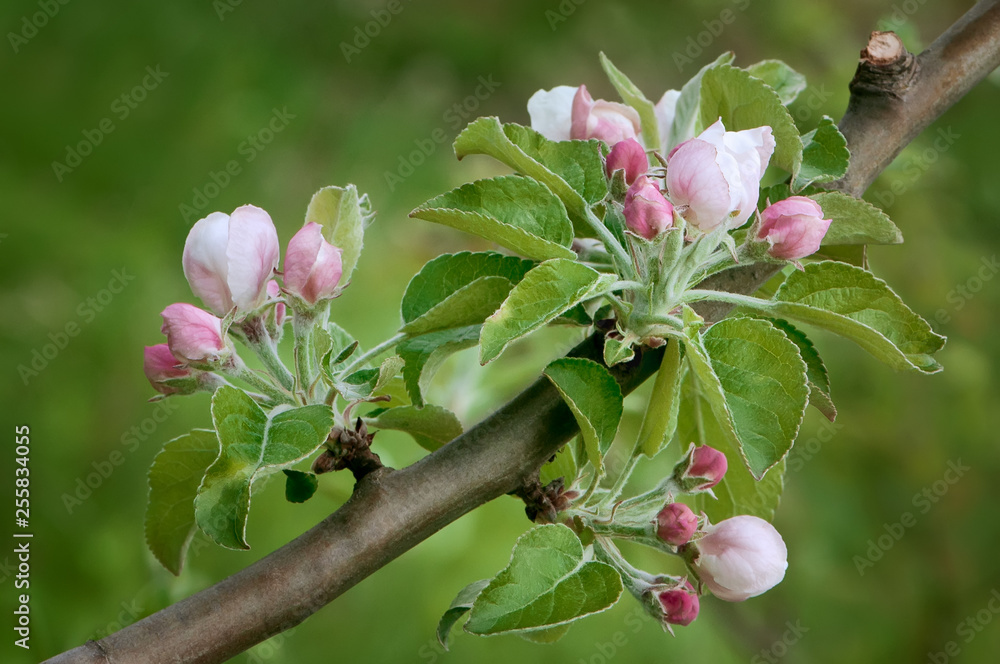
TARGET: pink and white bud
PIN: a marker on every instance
(551, 112)
(628, 156)
(280, 310)
(608, 121)
(647, 212)
(193, 335)
(676, 523)
(716, 176)
(228, 259)
(679, 605)
(794, 227)
(701, 469)
(740, 558)
(312, 265)
(160, 365)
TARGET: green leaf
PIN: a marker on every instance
(424, 354)
(854, 303)
(787, 82)
(563, 465)
(547, 635)
(594, 397)
(688, 110)
(514, 211)
(344, 216)
(617, 350)
(572, 170)
(458, 290)
(660, 420)
(299, 486)
(745, 102)
(825, 157)
(431, 426)
(633, 96)
(855, 221)
(363, 383)
(173, 483)
(545, 292)
(459, 607)
(764, 380)
(254, 445)
(546, 584)
(738, 492)
(816, 373)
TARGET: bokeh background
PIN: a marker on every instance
(356, 116)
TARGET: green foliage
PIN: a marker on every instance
(687, 113)
(423, 355)
(660, 420)
(299, 486)
(595, 399)
(633, 96)
(787, 82)
(825, 157)
(254, 445)
(459, 607)
(745, 102)
(855, 221)
(343, 214)
(547, 583)
(545, 292)
(174, 478)
(431, 426)
(513, 211)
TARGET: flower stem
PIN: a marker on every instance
(374, 352)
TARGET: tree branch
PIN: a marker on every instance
(894, 96)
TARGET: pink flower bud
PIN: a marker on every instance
(193, 335)
(608, 121)
(701, 469)
(160, 365)
(273, 292)
(647, 212)
(794, 227)
(716, 176)
(680, 605)
(740, 558)
(675, 524)
(629, 156)
(312, 265)
(228, 259)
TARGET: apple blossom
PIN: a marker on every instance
(628, 156)
(228, 259)
(647, 212)
(675, 524)
(679, 605)
(794, 227)
(312, 265)
(701, 469)
(193, 335)
(608, 121)
(273, 292)
(740, 558)
(160, 365)
(665, 110)
(715, 177)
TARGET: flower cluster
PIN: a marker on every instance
(711, 180)
(230, 262)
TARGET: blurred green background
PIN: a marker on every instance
(229, 66)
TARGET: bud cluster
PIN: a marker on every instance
(230, 262)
